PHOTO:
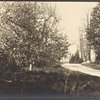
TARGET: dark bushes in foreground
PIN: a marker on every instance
(51, 81)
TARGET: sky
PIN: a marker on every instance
(73, 15)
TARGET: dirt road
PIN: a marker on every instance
(83, 69)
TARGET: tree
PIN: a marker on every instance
(93, 31)
(88, 45)
(72, 59)
(30, 34)
(76, 58)
(85, 47)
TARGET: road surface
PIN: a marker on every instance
(82, 68)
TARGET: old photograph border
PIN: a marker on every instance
(46, 96)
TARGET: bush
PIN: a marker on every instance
(7, 65)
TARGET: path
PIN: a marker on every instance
(83, 69)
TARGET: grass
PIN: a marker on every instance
(51, 80)
(91, 65)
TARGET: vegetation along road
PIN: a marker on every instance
(82, 68)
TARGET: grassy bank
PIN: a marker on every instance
(92, 65)
(50, 80)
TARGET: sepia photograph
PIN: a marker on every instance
(49, 49)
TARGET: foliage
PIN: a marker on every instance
(51, 82)
(76, 58)
(72, 59)
(6, 65)
(93, 31)
(30, 34)
(84, 47)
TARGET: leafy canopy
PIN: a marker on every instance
(30, 33)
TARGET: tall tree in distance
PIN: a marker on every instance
(85, 47)
(30, 34)
(93, 34)
(87, 32)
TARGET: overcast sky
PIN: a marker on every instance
(73, 16)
